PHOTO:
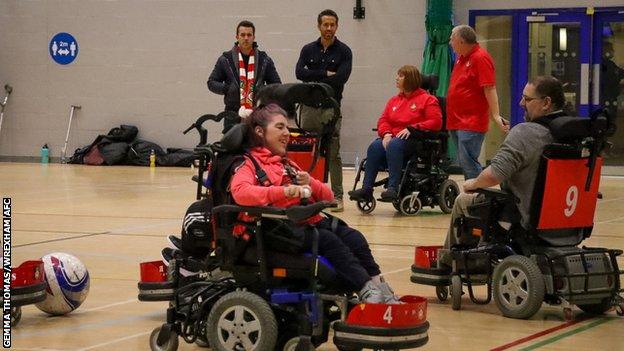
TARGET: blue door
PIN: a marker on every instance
(608, 76)
(558, 44)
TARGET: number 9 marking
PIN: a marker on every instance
(571, 201)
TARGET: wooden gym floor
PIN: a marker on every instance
(113, 218)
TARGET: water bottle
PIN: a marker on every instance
(152, 159)
(45, 154)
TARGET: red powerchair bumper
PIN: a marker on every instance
(28, 283)
(154, 285)
(425, 270)
(381, 326)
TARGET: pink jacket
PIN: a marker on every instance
(247, 191)
(418, 109)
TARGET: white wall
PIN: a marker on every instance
(146, 62)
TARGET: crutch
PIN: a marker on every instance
(71, 116)
(8, 90)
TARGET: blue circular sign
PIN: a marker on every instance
(63, 48)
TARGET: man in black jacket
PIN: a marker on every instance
(326, 60)
(239, 72)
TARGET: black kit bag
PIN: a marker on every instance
(140, 150)
(177, 158)
(197, 234)
(124, 133)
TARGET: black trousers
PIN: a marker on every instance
(347, 250)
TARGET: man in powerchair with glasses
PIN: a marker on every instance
(530, 231)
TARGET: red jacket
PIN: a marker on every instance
(247, 191)
(418, 109)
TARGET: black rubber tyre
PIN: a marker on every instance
(169, 345)
(597, 308)
(16, 315)
(291, 345)
(344, 348)
(442, 292)
(447, 193)
(397, 205)
(456, 292)
(241, 320)
(410, 205)
(518, 287)
(366, 206)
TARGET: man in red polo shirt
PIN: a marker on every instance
(471, 99)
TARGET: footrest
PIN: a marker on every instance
(159, 291)
(27, 295)
(154, 285)
(381, 326)
(28, 283)
(431, 276)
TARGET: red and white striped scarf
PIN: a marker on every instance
(246, 80)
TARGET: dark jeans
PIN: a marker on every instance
(347, 250)
(379, 158)
(313, 120)
(468, 146)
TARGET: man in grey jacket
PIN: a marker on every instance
(516, 163)
(240, 71)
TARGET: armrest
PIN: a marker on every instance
(425, 134)
(253, 210)
(294, 213)
(494, 193)
(300, 213)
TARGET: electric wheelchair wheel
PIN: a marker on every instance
(170, 345)
(241, 320)
(597, 308)
(456, 292)
(410, 205)
(447, 193)
(366, 206)
(442, 292)
(518, 287)
(291, 345)
(16, 315)
(345, 348)
(397, 205)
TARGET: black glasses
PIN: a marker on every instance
(529, 99)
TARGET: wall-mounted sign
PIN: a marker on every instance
(63, 48)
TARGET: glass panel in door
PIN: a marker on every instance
(494, 34)
(611, 81)
(554, 49)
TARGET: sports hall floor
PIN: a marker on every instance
(112, 218)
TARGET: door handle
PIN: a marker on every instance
(584, 83)
(596, 85)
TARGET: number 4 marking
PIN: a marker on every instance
(388, 315)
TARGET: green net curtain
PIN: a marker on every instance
(437, 56)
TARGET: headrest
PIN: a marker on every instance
(234, 139)
(574, 128)
(429, 82)
(287, 95)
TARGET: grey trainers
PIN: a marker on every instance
(339, 207)
(371, 293)
(388, 294)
